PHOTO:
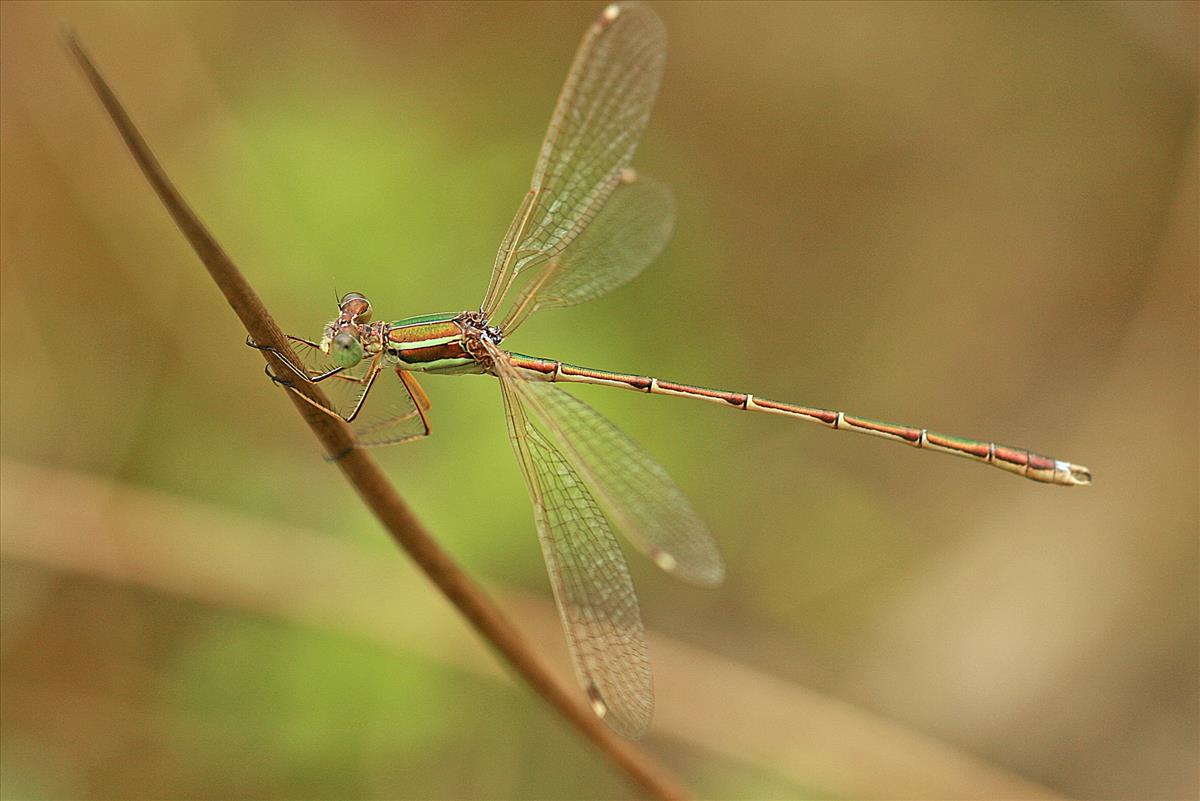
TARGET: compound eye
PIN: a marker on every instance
(346, 350)
(356, 306)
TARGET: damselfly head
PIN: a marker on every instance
(355, 308)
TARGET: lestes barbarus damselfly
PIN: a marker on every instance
(588, 224)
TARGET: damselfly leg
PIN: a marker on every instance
(398, 409)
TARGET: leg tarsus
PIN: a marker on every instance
(276, 379)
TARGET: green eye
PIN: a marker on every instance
(346, 350)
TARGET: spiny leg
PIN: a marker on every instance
(303, 374)
(357, 387)
(399, 413)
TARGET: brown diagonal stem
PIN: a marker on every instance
(369, 480)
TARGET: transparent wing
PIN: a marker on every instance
(601, 113)
(628, 233)
(632, 488)
(395, 412)
(346, 389)
(392, 412)
(588, 575)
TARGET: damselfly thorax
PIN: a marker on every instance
(441, 343)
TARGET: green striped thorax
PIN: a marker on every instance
(441, 343)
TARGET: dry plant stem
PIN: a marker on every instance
(369, 480)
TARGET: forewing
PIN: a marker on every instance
(599, 119)
(628, 233)
(589, 577)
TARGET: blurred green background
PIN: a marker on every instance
(981, 218)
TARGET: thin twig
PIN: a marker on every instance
(369, 480)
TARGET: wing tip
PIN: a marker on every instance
(630, 727)
(614, 11)
(709, 573)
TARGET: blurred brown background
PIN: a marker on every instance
(981, 218)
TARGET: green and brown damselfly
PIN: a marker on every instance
(588, 224)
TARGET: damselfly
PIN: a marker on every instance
(588, 224)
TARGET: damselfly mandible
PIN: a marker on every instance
(588, 224)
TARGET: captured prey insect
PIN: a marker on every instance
(588, 224)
